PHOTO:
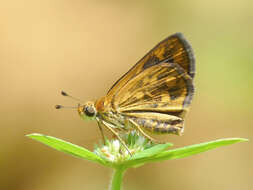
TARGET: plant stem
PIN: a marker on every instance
(117, 178)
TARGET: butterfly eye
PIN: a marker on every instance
(89, 111)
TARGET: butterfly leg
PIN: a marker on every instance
(145, 134)
(107, 125)
(101, 130)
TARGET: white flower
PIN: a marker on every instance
(115, 152)
(116, 145)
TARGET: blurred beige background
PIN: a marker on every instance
(83, 47)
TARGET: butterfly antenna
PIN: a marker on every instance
(65, 94)
(61, 106)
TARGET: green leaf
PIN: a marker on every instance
(151, 151)
(67, 147)
(195, 149)
(140, 158)
(186, 151)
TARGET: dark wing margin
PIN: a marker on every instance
(173, 49)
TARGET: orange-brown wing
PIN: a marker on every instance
(173, 49)
(163, 88)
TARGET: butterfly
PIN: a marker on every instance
(153, 96)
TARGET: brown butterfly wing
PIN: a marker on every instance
(173, 49)
(157, 98)
(163, 87)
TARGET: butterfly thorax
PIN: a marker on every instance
(109, 114)
(101, 105)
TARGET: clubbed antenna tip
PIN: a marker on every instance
(64, 93)
(58, 106)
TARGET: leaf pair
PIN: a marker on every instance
(153, 153)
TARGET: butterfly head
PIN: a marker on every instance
(87, 111)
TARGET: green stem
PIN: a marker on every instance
(117, 178)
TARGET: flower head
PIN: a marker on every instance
(113, 151)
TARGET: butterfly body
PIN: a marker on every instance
(153, 96)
